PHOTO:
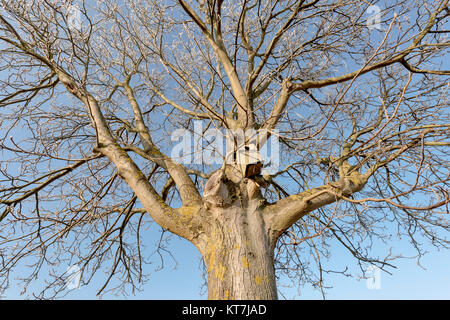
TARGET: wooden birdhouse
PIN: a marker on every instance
(249, 160)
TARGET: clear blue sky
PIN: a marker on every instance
(183, 280)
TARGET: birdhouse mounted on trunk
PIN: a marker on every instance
(249, 160)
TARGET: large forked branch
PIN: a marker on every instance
(289, 87)
(285, 212)
(282, 214)
(174, 220)
(398, 57)
(245, 115)
(188, 192)
(168, 218)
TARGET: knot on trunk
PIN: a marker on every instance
(218, 191)
(227, 185)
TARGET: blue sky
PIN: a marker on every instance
(183, 280)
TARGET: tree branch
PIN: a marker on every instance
(188, 191)
(245, 115)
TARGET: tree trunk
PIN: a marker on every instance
(239, 256)
(236, 245)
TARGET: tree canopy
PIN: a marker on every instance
(91, 92)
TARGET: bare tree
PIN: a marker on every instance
(89, 96)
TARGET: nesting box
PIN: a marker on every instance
(249, 160)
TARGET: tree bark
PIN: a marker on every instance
(235, 241)
(239, 255)
(239, 229)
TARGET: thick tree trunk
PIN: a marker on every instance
(239, 256)
(235, 242)
(238, 230)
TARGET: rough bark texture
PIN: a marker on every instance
(235, 244)
(239, 230)
(238, 256)
(387, 126)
